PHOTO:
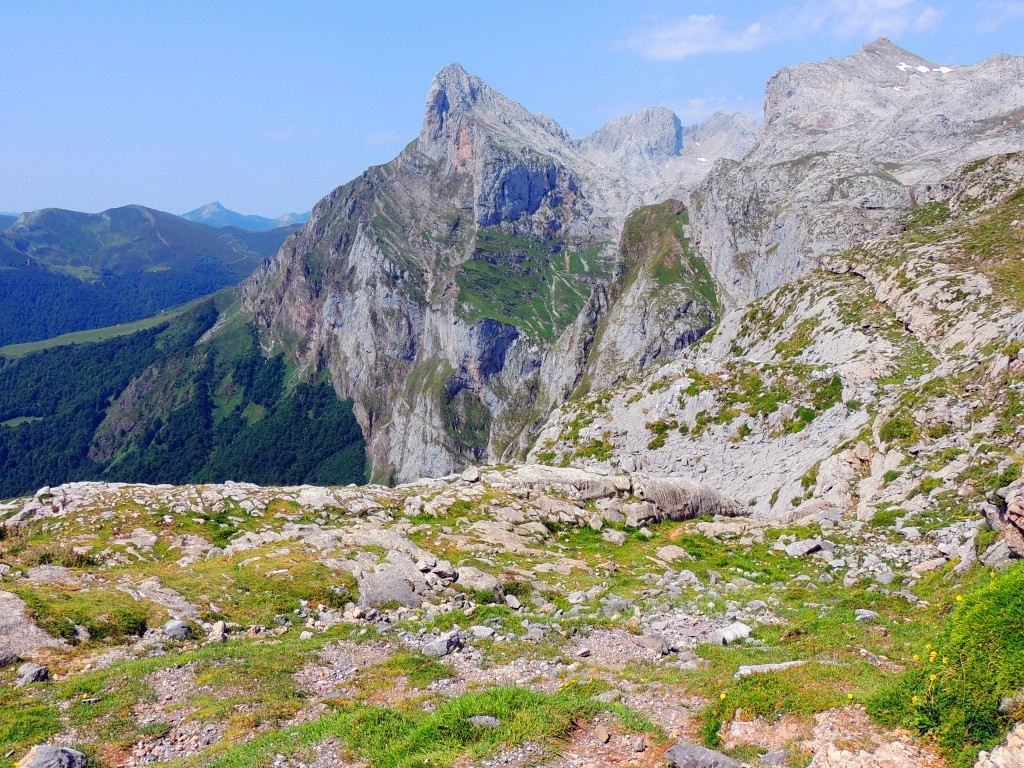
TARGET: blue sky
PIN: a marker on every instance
(268, 106)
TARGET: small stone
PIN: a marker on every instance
(583, 652)
(730, 634)
(485, 721)
(686, 755)
(305, 635)
(32, 673)
(601, 735)
(442, 645)
(656, 644)
(513, 602)
(865, 615)
(7, 658)
(471, 475)
(177, 630)
(218, 633)
(803, 548)
(639, 744)
(618, 538)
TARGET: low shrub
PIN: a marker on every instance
(952, 693)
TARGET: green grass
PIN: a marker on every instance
(953, 696)
(24, 722)
(15, 351)
(538, 286)
(412, 738)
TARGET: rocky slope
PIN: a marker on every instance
(891, 369)
(462, 291)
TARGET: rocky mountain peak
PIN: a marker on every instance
(655, 132)
(456, 95)
(211, 208)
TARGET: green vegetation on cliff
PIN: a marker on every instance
(537, 286)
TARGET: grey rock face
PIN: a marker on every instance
(50, 756)
(841, 145)
(652, 147)
(391, 313)
(686, 755)
(18, 633)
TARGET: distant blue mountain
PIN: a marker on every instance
(216, 215)
(6, 219)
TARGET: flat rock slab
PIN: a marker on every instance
(18, 633)
(151, 589)
(685, 755)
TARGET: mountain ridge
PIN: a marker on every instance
(68, 271)
(216, 215)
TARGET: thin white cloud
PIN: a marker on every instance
(695, 110)
(998, 13)
(290, 132)
(867, 18)
(677, 39)
(674, 39)
(383, 137)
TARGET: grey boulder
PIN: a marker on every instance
(684, 755)
(442, 645)
(32, 673)
(50, 756)
(177, 630)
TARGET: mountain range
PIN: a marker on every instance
(63, 271)
(216, 215)
(496, 268)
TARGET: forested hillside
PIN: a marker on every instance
(64, 271)
(233, 417)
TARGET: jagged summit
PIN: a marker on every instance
(655, 132)
(210, 208)
(455, 94)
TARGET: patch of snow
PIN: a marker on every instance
(903, 66)
(923, 68)
(702, 159)
(943, 70)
